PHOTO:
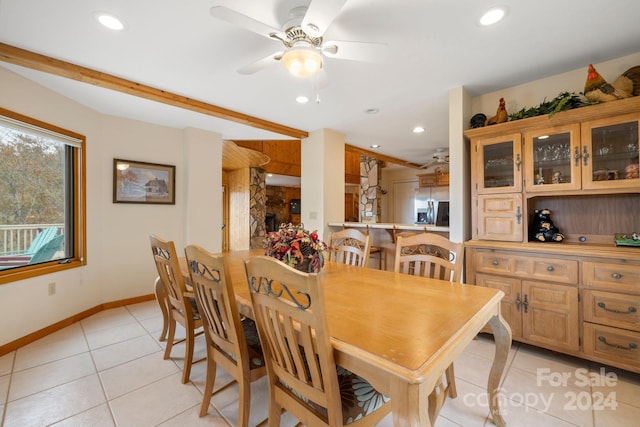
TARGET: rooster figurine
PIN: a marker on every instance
(596, 88)
(500, 117)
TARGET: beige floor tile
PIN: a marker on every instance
(155, 403)
(4, 388)
(144, 310)
(6, 363)
(108, 336)
(100, 416)
(58, 345)
(107, 319)
(55, 404)
(555, 398)
(191, 418)
(153, 325)
(530, 358)
(622, 416)
(116, 354)
(137, 373)
(625, 384)
(469, 408)
(49, 375)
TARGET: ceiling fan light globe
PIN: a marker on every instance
(302, 62)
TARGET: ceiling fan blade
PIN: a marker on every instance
(261, 64)
(244, 21)
(320, 15)
(355, 51)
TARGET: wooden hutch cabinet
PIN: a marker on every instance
(580, 296)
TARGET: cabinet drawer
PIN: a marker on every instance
(527, 267)
(608, 308)
(611, 276)
(617, 345)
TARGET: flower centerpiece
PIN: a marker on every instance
(296, 247)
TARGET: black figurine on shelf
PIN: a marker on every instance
(542, 228)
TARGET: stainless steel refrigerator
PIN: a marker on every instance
(432, 206)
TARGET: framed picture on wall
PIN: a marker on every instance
(141, 182)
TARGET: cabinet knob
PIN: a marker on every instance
(496, 262)
(616, 276)
(551, 269)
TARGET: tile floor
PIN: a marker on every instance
(107, 370)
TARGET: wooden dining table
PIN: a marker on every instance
(400, 332)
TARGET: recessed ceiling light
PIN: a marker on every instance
(418, 129)
(110, 21)
(302, 99)
(371, 111)
(493, 15)
(374, 146)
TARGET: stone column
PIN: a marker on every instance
(257, 206)
(370, 193)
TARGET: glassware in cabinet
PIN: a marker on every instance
(609, 152)
(499, 164)
(552, 159)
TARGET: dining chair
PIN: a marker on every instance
(349, 246)
(303, 377)
(181, 303)
(232, 342)
(435, 256)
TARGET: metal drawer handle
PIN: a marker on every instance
(632, 346)
(616, 276)
(496, 262)
(629, 310)
(550, 269)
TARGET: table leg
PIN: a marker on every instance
(410, 405)
(161, 297)
(502, 337)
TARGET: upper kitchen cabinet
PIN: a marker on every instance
(610, 152)
(497, 164)
(433, 179)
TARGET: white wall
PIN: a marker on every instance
(119, 263)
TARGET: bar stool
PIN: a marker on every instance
(377, 251)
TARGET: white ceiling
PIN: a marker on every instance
(433, 46)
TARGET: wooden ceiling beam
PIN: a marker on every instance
(47, 64)
(379, 156)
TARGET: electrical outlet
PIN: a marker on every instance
(52, 288)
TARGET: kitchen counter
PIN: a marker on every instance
(391, 226)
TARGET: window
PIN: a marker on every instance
(42, 206)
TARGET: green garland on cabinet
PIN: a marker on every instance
(562, 102)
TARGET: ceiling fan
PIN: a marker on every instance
(302, 38)
(440, 157)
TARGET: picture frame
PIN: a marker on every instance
(143, 182)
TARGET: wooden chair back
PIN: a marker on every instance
(429, 255)
(180, 302)
(227, 344)
(349, 246)
(289, 309)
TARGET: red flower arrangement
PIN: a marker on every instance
(296, 247)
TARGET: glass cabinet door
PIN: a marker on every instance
(552, 159)
(610, 152)
(499, 164)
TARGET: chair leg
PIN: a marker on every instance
(244, 402)
(209, 383)
(161, 298)
(275, 411)
(171, 334)
(188, 355)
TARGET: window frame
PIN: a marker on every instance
(78, 192)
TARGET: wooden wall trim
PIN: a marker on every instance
(34, 336)
(47, 64)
